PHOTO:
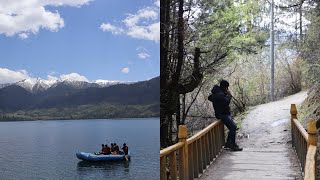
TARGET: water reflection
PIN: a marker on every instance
(85, 165)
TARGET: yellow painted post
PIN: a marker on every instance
(312, 137)
(214, 142)
(222, 136)
(218, 138)
(312, 133)
(310, 171)
(204, 158)
(210, 145)
(206, 145)
(312, 140)
(200, 157)
(183, 153)
(173, 165)
(190, 162)
(207, 148)
(293, 112)
(163, 168)
(195, 160)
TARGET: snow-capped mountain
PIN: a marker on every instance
(75, 84)
(106, 83)
(37, 85)
(4, 85)
(26, 84)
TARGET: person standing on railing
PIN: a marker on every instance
(220, 99)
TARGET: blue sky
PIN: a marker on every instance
(86, 39)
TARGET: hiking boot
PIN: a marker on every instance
(235, 147)
(227, 145)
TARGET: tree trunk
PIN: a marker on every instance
(192, 81)
(164, 41)
(169, 89)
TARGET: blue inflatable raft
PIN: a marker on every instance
(101, 157)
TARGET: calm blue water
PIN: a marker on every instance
(46, 149)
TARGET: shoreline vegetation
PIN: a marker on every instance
(101, 111)
(120, 119)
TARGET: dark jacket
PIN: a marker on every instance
(125, 149)
(106, 150)
(220, 101)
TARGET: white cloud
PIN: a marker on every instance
(113, 29)
(150, 32)
(9, 76)
(23, 36)
(73, 77)
(29, 16)
(143, 55)
(144, 24)
(147, 13)
(75, 3)
(125, 70)
(157, 3)
(52, 78)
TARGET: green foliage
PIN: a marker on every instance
(229, 28)
(310, 50)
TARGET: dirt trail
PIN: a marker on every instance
(265, 137)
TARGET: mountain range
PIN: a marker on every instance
(39, 85)
(43, 99)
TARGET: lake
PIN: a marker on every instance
(46, 149)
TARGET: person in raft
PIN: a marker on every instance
(112, 148)
(125, 149)
(116, 148)
(102, 147)
(106, 150)
(220, 99)
(100, 152)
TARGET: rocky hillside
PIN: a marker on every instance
(310, 109)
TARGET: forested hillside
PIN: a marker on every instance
(139, 99)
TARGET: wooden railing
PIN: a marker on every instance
(188, 158)
(305, 144)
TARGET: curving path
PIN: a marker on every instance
(265, 137)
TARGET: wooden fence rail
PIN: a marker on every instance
(189, 157)
(305, 144)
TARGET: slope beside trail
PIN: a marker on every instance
(265, 137)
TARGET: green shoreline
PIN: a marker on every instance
(114, 118)
(97, 111)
